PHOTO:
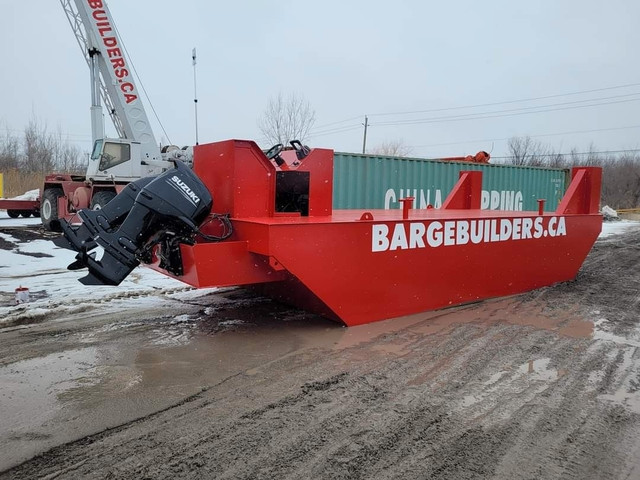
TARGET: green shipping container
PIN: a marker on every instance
(377, 182)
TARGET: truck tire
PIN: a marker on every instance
(49, 209)
(13, 213)
(100, 199)
(25, 213)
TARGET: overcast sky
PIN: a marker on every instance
(348, 58)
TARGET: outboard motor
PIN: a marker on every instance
(167, 211)
(109, 217)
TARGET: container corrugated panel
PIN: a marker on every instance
(371, 181)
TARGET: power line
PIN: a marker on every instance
(532, 136)
(531, 99)
(338, 130)
(575, 102)
(462, 107)
(320, 127)
(495, 114)
(483, 115)
(333, 128)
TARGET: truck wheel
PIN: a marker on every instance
(13, 213)
(100, 199)
(49, 209)
(25, 213)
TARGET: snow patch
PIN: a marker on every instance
(60, 291)
(616, 228)
(31, 195)
(609, 213)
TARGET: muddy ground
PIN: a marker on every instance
(229, 385)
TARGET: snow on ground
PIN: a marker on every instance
(53, 287)
(5, 221)
(31, 195)
(613, 228)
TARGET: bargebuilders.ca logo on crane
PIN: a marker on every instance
(410, 235)
(112, 52)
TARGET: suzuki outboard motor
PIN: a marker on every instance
(167, 211)
(110, 216)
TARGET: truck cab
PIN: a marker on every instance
(112, 158)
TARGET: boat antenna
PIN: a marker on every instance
(195, 90)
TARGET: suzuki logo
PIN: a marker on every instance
(185, 188)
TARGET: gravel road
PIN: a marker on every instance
(228, 385)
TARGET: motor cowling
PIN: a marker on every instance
(167, 211)
(81, 237)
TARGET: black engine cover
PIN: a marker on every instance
(167, 210)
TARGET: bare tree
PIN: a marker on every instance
(393, 148)
(67, 157)
(24, 160)
(9, 151)
(43, 152)
(556, 159)
(37, 148)
(287, 118)
(620, 173)
(525, 151)
(593, 158)
(620, 179)
(71, 159)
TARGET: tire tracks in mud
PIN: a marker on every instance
(68, 469)
(301, 418)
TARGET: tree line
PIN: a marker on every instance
(36, 150)
(620, 171)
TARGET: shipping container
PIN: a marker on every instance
(379, 182)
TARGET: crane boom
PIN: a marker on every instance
(103, 50)
(114, 162)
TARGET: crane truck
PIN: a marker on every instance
(114, 162)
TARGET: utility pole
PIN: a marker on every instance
(364, 140)
(195, 90)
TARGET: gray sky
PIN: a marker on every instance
(348, 58)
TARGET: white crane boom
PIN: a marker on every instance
(137, 153)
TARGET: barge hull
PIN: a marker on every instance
(360, 266)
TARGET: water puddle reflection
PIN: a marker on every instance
(31, 389)
(540, 370)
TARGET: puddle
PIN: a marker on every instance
(533, 377)
(469, 400)
(511, 310)
(63, 396)
(155, 364)
(495, 377)
(567, 321)
(31, 388)
(539, 370)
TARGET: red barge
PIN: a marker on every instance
(275, 230)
